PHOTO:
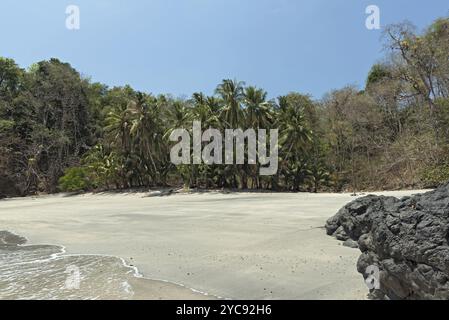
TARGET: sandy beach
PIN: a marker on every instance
(236, 246)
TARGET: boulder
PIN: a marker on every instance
(406, 241)
(351, 244)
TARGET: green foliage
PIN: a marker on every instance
(74, 179)
(10, 77)
(6, 125)
(393, 134)
(435, 175)
(378, 73)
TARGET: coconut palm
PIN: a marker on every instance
(295, 138)
(147, 134)
(294, 131)
(257, 109)
(135, 150)
(118, 127)
(203, 110)
(257, 116)
(178, 116)
(232, 94)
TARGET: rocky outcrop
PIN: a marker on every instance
(405, 242)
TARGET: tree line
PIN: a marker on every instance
(60, 131)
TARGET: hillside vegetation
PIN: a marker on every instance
(62, 132)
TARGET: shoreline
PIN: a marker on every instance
(239, 246)
(169, 191)
(143, 288)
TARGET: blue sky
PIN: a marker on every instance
(183, 46)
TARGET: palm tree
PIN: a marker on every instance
(118, 131)
(294, 131)
(258, 110)
(203, 110)
(136, 149)
(257, 116)
(178, 116)
(146, 132)
(232, 94)
(118, 126)
(214, 104)
(319, 175)
(295, 137)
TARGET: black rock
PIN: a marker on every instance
(406, 240)
(351, 244)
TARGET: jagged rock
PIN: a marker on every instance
(351, 244)
(406, 239)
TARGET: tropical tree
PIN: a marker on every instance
(294, 139)
(232, 94)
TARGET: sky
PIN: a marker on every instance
(185, 46)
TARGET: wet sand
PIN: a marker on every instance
(48, 272)
(238, 245)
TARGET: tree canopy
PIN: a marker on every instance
(60, 131)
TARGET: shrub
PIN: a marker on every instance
(74, 179)
(434, 176)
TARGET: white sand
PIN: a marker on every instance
(240, 245)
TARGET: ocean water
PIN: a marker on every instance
(46, 272)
